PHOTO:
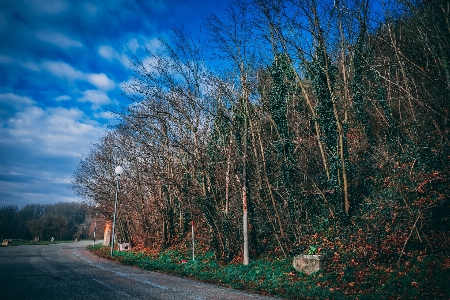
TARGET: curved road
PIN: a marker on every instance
(69, 271)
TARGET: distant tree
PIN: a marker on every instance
(61, 220)
(8, 222)
(49, 226)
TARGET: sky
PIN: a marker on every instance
(62, 67)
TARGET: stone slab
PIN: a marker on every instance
(309, 264)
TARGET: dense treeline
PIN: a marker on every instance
(295, 124)
(62, 221)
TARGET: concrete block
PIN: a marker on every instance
(124, 246)
(309, 264)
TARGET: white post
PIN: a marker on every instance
(245, 225)
(114, 219)
(193, 242)
(118, 170)
(95, 226)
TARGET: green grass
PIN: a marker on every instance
(277, 277)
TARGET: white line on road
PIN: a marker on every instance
(132, 276)
(127, 275)
(152, 284)
(127, 296)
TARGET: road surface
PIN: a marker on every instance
(68, 271)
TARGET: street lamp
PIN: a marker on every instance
(95, 225)
(95, 208)
(119, 171)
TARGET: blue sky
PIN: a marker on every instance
(62, 65)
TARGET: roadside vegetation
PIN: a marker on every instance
(422, 277)
(290, 127)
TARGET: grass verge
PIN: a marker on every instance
(421, 277)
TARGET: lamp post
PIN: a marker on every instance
(95, 207)
(95, 226)
(119, 171)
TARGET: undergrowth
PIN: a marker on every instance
(420, 277)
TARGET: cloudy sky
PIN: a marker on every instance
(62, 65)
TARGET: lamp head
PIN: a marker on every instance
(118, 170)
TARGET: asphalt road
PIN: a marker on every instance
(69, 271)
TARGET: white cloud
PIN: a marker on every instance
(95, 97)
(58, 39)
(12, 103)
(64, 70)
(30, 65)
(125, 61)
(107, 52)
(133, 45)
(65, 180)
(40, 147)
(101, 81)
(131, 48)
(153, 45)
(15, 100)
(63, 98)
(51, 132)
(105, 115)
